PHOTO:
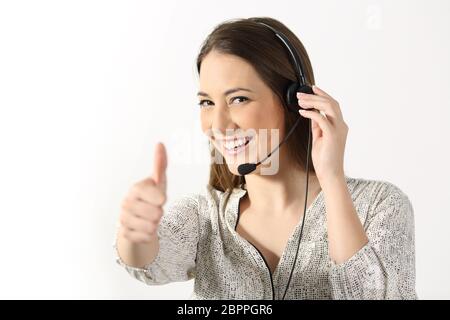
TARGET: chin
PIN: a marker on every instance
(234, 169)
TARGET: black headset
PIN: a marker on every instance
(291, 103)
(296, 86)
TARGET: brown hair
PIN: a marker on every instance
(259, 46)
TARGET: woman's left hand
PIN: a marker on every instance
(329, 133)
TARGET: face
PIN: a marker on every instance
(238, 108)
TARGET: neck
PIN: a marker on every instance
(281, 193)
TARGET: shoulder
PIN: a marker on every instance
(188, 201)
(376, 191)
(201, 202)
(380, 196)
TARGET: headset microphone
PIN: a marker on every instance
(247, 168)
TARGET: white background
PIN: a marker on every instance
(88, 87)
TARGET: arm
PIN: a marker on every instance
(384, 267)
(174, 255)
(135, 254)
(346, 234)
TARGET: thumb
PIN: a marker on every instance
(160, 166)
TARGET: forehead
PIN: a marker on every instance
(219, 70)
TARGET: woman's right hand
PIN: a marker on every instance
(142, 207)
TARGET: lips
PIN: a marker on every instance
(232, 147)
(235, 144)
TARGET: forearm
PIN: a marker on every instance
(136, 254)
(346, 235)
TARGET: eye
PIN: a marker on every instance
(241, 97)
(201, 103)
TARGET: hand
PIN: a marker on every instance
(142, 207)
(329, 133)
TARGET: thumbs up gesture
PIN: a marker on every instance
(142, 207)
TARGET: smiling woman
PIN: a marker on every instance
(246, 55)
(241, 240)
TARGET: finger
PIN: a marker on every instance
(147, 191)
(322, 107)
(146, 211)
(160, 166)
(323, 123)
(329, 107)
(320, 92)
(136, 223)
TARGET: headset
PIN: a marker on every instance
(291, 103)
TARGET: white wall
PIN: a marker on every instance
(88, 87)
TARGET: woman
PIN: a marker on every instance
(239, 239)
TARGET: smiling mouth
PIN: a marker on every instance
(235, 146)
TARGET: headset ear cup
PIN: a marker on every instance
(306, 89)
(291, 97)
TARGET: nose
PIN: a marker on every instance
(222, 121)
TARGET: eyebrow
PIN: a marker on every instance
(229, 91)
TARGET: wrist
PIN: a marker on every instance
(331, 182)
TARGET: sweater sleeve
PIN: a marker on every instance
(178, 234)
(385, 267)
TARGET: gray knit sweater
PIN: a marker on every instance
(198, 240)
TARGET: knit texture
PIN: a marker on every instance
(198, 239)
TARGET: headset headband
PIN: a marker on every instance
(292, 52)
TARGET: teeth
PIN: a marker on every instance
(230, 145)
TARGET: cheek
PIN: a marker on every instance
(257, 117)
(248, 121)
(205, 122)
(271, 119)
(268, 118)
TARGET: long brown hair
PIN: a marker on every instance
(259, 46)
